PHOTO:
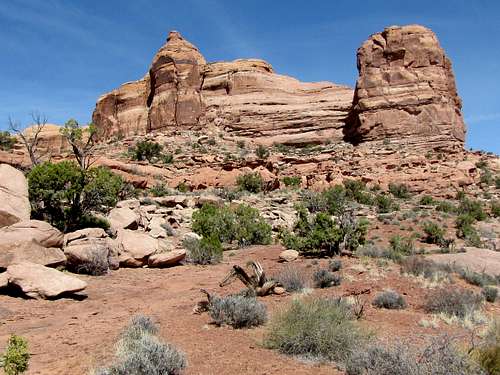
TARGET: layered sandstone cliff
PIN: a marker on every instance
(406, 91)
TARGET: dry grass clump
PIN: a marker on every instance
(291, 278)
(389, 299)
(453, 302)
(237, 311)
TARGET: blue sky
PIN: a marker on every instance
(59, 56)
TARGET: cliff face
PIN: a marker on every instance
(405, 92)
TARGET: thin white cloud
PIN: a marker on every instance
(482, 117)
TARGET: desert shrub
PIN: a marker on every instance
(16, 358)
(315, 328)
(291, 278)
(146, 150)
(355, 190)
(160, 190)
(93, 221)
(495, 208)
(445, 206)
(292, 181)
(419, 266)
(453, 302)
(490, 293)
(389, 299)
(399, 191)
(332, 200)
(243, 224)
(262, 152)
(487, 354)
(440, 357)
(141, 352)
(464, 224)
(334, 265)
(251, 182)
(472, 208)
(433, 233)
(207, 250)
(402, 245)
(182, 187)
(237, 311)
(427, 200)
(7, 142)
(385, 204)
(63, 194)
(372, 251)
(167, 158)
(475, 278)
(97, 264)
(324, 279)
(227, 194)
(320, 233)
(497, 182)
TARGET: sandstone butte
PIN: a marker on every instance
(405, 91)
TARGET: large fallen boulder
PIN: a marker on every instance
(135, 247)
(123, 218)
(29, 251)
(32, 230)
(169, 259)
(90, 251)
(37, 281)
(15, 204)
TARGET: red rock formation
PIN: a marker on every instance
(406, 91)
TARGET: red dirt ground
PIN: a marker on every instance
(71, 337)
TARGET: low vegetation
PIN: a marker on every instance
(453, 302)
(141, 352)
(242, 224)
(389, 299)
(146, 150)
(237, 311)
(325, 279)
(7, 141)
(251, 182)
(207, 250)
(399, 191)
(15, 359)
(317, 329)
(292, 181)
(66, 196)
(291, 278)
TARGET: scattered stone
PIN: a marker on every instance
(123, 218)
(29, 251)
(288, 255)
(169, 259)
(37, 281)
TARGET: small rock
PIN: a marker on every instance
(279, 290)
(169, 259)
(288, 255)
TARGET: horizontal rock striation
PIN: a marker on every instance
(406, 91)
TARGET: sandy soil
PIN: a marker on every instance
(68, 336)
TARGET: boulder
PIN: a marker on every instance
(32, 230)
(288, 255)
(169, 259)
(406, 91)
(155, 227)
(123, 218)
(29, 251)
(37, 281)
(4, 280)
(135, 247)
(15, 205)
(90, 248)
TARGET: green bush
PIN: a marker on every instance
(317, 329)
(292, 181)
(243, 224)
(251, 182)
(321, 234)
(495, 208)
(399, 191)
(402, 245)
(487, 354)
(207, 250)
(427, 200)
(445, 206)
(237, 311)
(7, 142)
(385, 204)
(160, 190)
(167, 158)
(465, 229)
(490, 293)
(472, 208)
(355, 190)
(434, 234)
(332, 200)
(16, 358)
(389, 299)
(141, 352)
(262, 152)
(65, 195)
(146, 150)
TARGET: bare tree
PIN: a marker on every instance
(82, 141)
(31, 138)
